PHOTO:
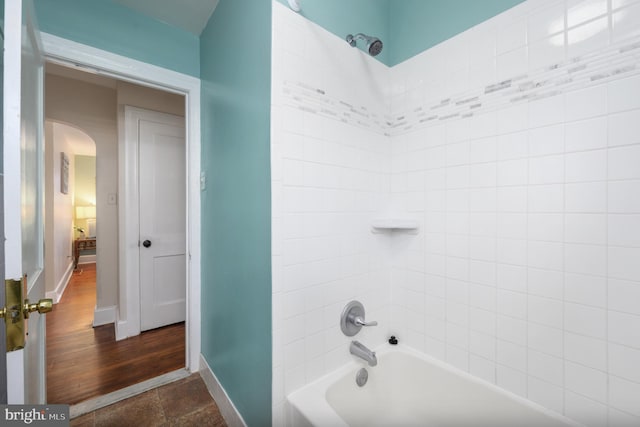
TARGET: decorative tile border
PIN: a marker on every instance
(614, 62)
(317, 101)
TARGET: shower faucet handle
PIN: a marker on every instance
(360, 321)
(352, 319)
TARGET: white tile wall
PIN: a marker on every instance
(525, 271)
(548, 223)
(330, 178)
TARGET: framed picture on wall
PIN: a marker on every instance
(64, 173)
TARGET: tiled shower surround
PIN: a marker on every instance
(516, 147)
(330, 178)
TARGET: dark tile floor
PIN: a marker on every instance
(186, 402)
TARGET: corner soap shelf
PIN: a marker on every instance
(394, 224)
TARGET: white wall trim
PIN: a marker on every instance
(104, 315)
(56, 294)
(121, 327)
(227, 408)
(95, 60)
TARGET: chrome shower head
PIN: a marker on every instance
(374, 45)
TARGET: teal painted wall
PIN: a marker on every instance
(406, 27)
(235, 50)
(107, 25)
(417, 25)
(342, 17)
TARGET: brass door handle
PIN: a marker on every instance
(45, 305)
(17, 310)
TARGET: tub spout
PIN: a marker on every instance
(358, 349)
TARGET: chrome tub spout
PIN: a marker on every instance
(358, 349)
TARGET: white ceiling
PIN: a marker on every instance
(190, 15)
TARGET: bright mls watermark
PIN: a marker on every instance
(34, 415)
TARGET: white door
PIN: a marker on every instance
(162, 210)
(23, 190)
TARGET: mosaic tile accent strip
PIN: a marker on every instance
(317, 101)
(614, 62)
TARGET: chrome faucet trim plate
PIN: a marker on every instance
(352, 319)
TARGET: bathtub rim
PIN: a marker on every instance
(322, 411)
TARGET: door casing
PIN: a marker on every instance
(67, 52)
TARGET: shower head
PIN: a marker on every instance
(374, 45)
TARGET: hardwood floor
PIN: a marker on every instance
(85, 362)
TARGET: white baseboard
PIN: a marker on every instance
(122, 330)
(56, 295)
(226, 406)
(87, 259)
(104, 316)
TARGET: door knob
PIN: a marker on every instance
(17, 311)
(45, 305)
(146, 243)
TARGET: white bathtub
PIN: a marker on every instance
(409, 389)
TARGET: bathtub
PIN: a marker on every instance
(409, 389)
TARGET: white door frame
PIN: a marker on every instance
(128, 150)
(57, 49)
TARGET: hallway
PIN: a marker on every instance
(84, 362)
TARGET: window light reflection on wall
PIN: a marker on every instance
(576, 18)
(85, 212)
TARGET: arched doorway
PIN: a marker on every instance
(70, 199)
